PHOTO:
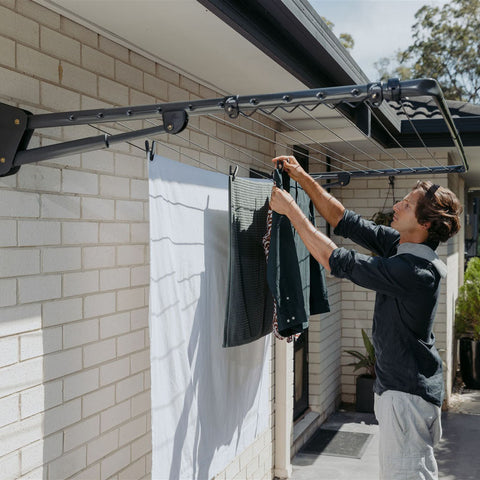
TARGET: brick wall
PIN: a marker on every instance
(74, 275)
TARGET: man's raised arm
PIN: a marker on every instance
(327, 205)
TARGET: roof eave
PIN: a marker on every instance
(292, 33)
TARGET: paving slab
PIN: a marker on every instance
(458, 453)
(327, 467)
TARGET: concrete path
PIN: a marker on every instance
(458, 454)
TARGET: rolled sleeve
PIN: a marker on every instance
(377, 238)
(341, 262)
(396, 276)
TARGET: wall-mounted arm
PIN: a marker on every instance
(17, 125)
(396, 90)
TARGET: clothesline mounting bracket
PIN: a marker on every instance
(343, 179)
(14, 136)
(175, 121)
(232, 108)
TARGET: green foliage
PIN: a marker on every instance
(467, 312)
(365, 360)
(446, 46)
(386, 69)
(383, 218)
(345, 38)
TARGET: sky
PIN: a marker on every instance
(379, 27)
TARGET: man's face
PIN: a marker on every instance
(404, 219)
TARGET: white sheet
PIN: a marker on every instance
(208, 403)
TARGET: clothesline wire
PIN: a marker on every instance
(358, 149)
(188, 140)
(182, 153)
(161, 139)
(405, 150)
(379, 147)
(333, 154)
(276, 142)
(416, 132)
(373, 142)
(206, 149)
(268, 165)
(162, 142)
(361, 167)
(392, 137)
(309, 146)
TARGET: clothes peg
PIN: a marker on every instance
(150, 151)
(277, 174)
(233, 171)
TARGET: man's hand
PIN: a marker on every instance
(291, 166)
(281, 201)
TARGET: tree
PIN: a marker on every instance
(446, 46)
(345, 38)
(386, 70)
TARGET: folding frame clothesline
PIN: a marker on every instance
(18, 126)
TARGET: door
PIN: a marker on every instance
(300, 360)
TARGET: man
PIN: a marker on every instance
(406, 274)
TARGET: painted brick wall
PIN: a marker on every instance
(74, 264)
(74, 341)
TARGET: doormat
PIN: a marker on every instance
(337, 444)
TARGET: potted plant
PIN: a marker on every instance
(385, 216)
(364, 384)
(467, 324)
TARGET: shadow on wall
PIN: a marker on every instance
(225, 382)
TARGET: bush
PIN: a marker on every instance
(467, 312)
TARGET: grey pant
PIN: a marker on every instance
(409, 428)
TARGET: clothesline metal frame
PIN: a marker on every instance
(17, 125)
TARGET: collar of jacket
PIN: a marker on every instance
(423, 251)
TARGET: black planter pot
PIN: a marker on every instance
(364, 394)
(470, 363)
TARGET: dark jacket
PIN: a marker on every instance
(296, 279)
